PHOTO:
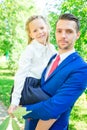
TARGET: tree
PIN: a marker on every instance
(13, 15)
(79, 9)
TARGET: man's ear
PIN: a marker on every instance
(78, 35)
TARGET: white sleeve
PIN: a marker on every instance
(21, 74)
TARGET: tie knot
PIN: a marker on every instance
(57, 58)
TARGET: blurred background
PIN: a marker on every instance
(13, 39)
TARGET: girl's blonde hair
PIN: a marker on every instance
(30, 20)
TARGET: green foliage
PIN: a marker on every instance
(52, 17)
(4, 124)
(6, 82)
(13, 15)
(78, 119)
(86, 91)
(15, 126)
(79, 9)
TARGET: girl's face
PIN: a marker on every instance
(38, 30)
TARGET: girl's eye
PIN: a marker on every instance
(42, 28)
(35, 31)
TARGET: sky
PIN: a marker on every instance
(41, 5)
(1, 1)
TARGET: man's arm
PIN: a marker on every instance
(64, 98)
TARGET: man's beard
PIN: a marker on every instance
(66, 47)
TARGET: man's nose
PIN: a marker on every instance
(63, 34)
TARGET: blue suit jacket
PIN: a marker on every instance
(64, 85)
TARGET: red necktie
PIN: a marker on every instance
(54, 65)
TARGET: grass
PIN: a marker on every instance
(6, 82)
(78, 119)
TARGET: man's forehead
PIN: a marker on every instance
(66, 24)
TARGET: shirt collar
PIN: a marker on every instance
(39, 45)
(64, 55)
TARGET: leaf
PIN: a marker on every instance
(21, 110)
(4, 124)
(15, 126)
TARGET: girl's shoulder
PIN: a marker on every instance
(52, 47)
(29, 47)
(28, 50)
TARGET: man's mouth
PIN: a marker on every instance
(63, 42)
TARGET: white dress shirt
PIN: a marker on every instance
(62, 57)
(31, 64)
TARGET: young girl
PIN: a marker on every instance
(34, 58)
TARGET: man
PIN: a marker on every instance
(67, 82)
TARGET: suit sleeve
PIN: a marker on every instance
(64, 98)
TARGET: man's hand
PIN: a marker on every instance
(45, 125)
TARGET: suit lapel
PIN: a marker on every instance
(69, 59)
(44, 72)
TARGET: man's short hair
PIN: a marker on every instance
(68, 16)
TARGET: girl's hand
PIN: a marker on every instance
(11, 109)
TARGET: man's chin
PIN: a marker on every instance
(63, 48)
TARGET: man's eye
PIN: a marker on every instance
(69, 31)
(58, 31)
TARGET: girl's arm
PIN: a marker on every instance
(45, 125)
(19, 78)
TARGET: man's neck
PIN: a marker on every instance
(60, 51)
